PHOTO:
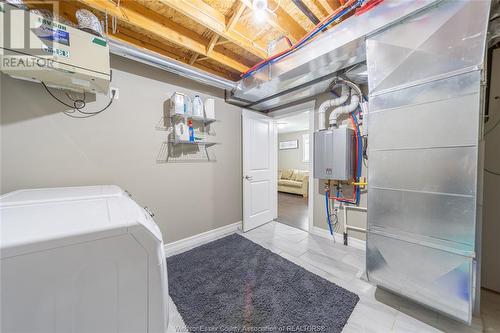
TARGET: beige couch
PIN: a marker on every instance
(293, 181)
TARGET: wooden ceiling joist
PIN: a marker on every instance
(210, 18)
(159, 26)
(222, 42)
(150, 45)
(238, 11)
(220, 37)
(193, 58)
(212, 43)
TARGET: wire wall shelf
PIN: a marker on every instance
(206, 121)
(184, 153)
(177, 150)
(161, 125)
(196, 143)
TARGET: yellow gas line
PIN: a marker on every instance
(363, 183)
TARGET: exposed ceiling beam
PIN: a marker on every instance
(281, 20)
(238, 11)
(193, 58)
(222, 42)
(147, 45)
(212, 19)
(68, 10)
(159, 26)
(212, 43)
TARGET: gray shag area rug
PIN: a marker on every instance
(235, 285)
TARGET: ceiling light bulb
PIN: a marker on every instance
(260, 16)
(259, 5)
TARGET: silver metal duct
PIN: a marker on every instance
(170, 65)
(425, 178)
(309, 71)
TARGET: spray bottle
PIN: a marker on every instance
(191, 130)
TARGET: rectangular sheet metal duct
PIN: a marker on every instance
(308, 71)
(425, 177)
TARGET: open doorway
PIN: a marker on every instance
(293, 169)
(490, 265)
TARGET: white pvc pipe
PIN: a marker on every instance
(356, 228)
(344, 109)
(346, 226)
(332, 103)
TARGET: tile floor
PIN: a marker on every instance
(377, 311)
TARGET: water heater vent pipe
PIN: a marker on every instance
(344, 109)
(332, 103)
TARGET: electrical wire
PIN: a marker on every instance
(78, 105)
(77, 100)
(492, 172)
(335, 221)
(492, 128)
(57, 99)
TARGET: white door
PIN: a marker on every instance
(259, 170)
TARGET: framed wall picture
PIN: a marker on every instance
(292, 144)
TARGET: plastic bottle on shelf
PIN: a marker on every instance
(191, 130)
(188, 106)
(197, 106)
(178, 104)
(210, 108)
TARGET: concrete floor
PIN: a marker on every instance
(377, 310)
(292, 210)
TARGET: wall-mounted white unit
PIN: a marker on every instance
(35, 48)
(80, 259)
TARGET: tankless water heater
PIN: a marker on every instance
(333, 154)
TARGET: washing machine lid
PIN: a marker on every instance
(22, 197)
(41, 219)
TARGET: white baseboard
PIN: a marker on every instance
(200, 239)
(354, 242)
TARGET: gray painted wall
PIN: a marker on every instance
(491, 209)
(41, 147)
(292, 158)
(355, 218)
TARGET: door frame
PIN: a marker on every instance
(290, 111)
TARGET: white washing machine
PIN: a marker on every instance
(80, 259)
